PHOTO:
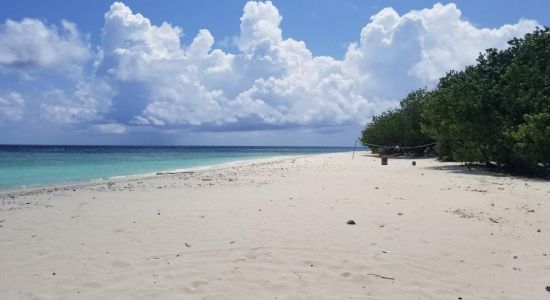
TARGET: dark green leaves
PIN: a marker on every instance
(497, 111)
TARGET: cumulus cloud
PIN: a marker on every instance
(271, 82)
(396, 54)
(30, 45)
(275, 81)
(12, 107)
(136, 51)
(259, 26)
(449, 42)
(144, 76)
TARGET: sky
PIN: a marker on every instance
(231, 72)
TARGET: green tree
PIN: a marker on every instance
(400, 126)
(494, 112)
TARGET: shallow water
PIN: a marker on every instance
(23, 166)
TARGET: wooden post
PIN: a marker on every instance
(353, 155)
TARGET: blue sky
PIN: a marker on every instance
(231, 72)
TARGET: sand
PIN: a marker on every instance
(277, 229)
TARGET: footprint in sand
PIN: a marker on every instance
(195, 285)
(120, 264)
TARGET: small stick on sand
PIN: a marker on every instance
(380, 276)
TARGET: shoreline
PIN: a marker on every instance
(123, 178)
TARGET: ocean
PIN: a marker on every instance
(23, 166)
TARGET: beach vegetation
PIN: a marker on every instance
(496, 112)
(395, 130)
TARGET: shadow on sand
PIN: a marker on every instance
(455, 167)
(482, 170)
(397, 157)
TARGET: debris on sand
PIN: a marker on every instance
(380, 276)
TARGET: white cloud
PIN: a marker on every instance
(131, 41)
(271, 82)
(318, 94)
(144, 75)
(396, 54)
(110, 128)
(136, 51)
(30, 45)
(449, 42)
(259, 26)
(87, 102)
(275, 81)
(12, 106)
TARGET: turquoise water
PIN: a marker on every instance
(34, 166)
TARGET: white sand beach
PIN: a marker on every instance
(277, 229)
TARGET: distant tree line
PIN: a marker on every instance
(496, 112)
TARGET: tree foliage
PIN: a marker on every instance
(398, 127)
(497, 111)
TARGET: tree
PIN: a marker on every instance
(400, 126)
(494, 112)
